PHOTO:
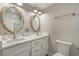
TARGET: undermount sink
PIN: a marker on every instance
(15, 40)
(12, 40)
(9, 39)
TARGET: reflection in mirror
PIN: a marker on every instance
(12, 18)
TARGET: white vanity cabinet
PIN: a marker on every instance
(18, 50)
(35, 46)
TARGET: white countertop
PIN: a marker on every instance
(22, 39)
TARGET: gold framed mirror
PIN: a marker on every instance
(11, 18)
(35, 23)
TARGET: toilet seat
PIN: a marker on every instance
(58, 54)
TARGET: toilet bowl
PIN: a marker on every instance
(63, 48)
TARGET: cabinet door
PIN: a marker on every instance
(36, 43)
(36, 51)
(36, 47)
(44, 46)
(44, 50)
(0, 53)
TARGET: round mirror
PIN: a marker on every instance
(35, 23)
(12, 19)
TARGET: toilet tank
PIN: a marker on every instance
(63, 47)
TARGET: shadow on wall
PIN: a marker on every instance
(74, 51)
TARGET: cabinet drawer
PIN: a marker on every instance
(45, 39)
(36, 51)
(16, 49)
(25, 46)
(36, 43)
(25, 53)
(45, 43)
(37, 54)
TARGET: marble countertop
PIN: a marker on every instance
(21, 39)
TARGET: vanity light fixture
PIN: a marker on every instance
(20, 4)
(39, 12)
(35, 11)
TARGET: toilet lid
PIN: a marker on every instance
(58, 54)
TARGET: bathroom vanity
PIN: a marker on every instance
(33, 45)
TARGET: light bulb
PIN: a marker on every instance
(39, 12)
(20, 4)
(35, 11)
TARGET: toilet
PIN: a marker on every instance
(63, 48)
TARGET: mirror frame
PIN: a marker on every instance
(20, 14)
(32, 18)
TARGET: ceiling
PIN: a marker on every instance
(41, 5)
(32, 6)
